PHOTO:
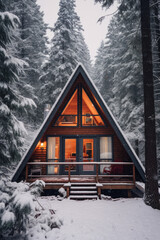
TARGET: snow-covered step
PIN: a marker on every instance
(83, 192)
(83, 197)
(84, 187)
(120, 183)
(85, 183)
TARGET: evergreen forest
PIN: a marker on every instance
(34, 70)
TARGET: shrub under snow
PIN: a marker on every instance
(21, 215)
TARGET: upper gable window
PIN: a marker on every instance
(79, 107)
(69, 115)
(90, 116)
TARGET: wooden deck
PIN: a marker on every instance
(122, 181)
(112, 183)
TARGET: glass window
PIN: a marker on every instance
(106, 154)
(53, 150)
(69, 115)
(90, 116)
(70, 153)
(88, 154)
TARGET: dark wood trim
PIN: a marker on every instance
(69, 173)
(26, 172)
(97, 171)
(134, 175)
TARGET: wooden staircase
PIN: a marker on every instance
(81, 191)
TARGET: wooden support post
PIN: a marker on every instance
(99, 192)
(67, 192)
(69, 173)
(134, 175)
(26, 172)
(97, 172)
(129, 193)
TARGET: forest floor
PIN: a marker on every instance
(107, 219)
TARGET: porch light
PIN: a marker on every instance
(42, 146)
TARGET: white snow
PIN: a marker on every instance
(4, 108)
(8, 217)
(23, 201)
(62, 192)
(15, 62)
(19, 126)
(10, 16)
(3, 51)
(2, 206)
(124, 219)
(28, 102)
(38, 183)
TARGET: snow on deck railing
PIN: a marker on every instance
(97, 164)
(80, 163)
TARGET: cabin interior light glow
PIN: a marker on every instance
(42, 145)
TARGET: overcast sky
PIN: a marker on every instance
(89, 13)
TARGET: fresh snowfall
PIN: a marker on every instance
(24, 214)
(106, 219)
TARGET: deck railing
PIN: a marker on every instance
(97, 164)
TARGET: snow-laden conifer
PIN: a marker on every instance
(122, 71)
(155, 28)
(66, 50)
(98, 70)
(30, 44)
(12, 102)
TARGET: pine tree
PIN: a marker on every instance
(122, 72)
(83, 53)
(151, 186)
(98, 70)
(12, 102)
(81, 47)
(155, 28)
(67, 46)
(31, 44)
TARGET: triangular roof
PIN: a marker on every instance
(127, 146)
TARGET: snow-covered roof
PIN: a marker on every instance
(80, 70)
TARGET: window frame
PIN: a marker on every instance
(75, 126)
(82, 115)
(79, 115)
(106, 159)
(53, 159)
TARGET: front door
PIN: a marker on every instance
(70, 154)
(79, 150)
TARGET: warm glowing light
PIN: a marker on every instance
(42, 145)
(55, 170)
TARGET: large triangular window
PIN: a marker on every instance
(90, 116)
(69, 115)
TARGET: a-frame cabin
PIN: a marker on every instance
(81, 143)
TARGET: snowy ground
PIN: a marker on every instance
(118, 219)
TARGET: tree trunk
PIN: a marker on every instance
(157, 25)
(151, 185)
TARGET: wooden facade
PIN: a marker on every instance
(80, 141)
